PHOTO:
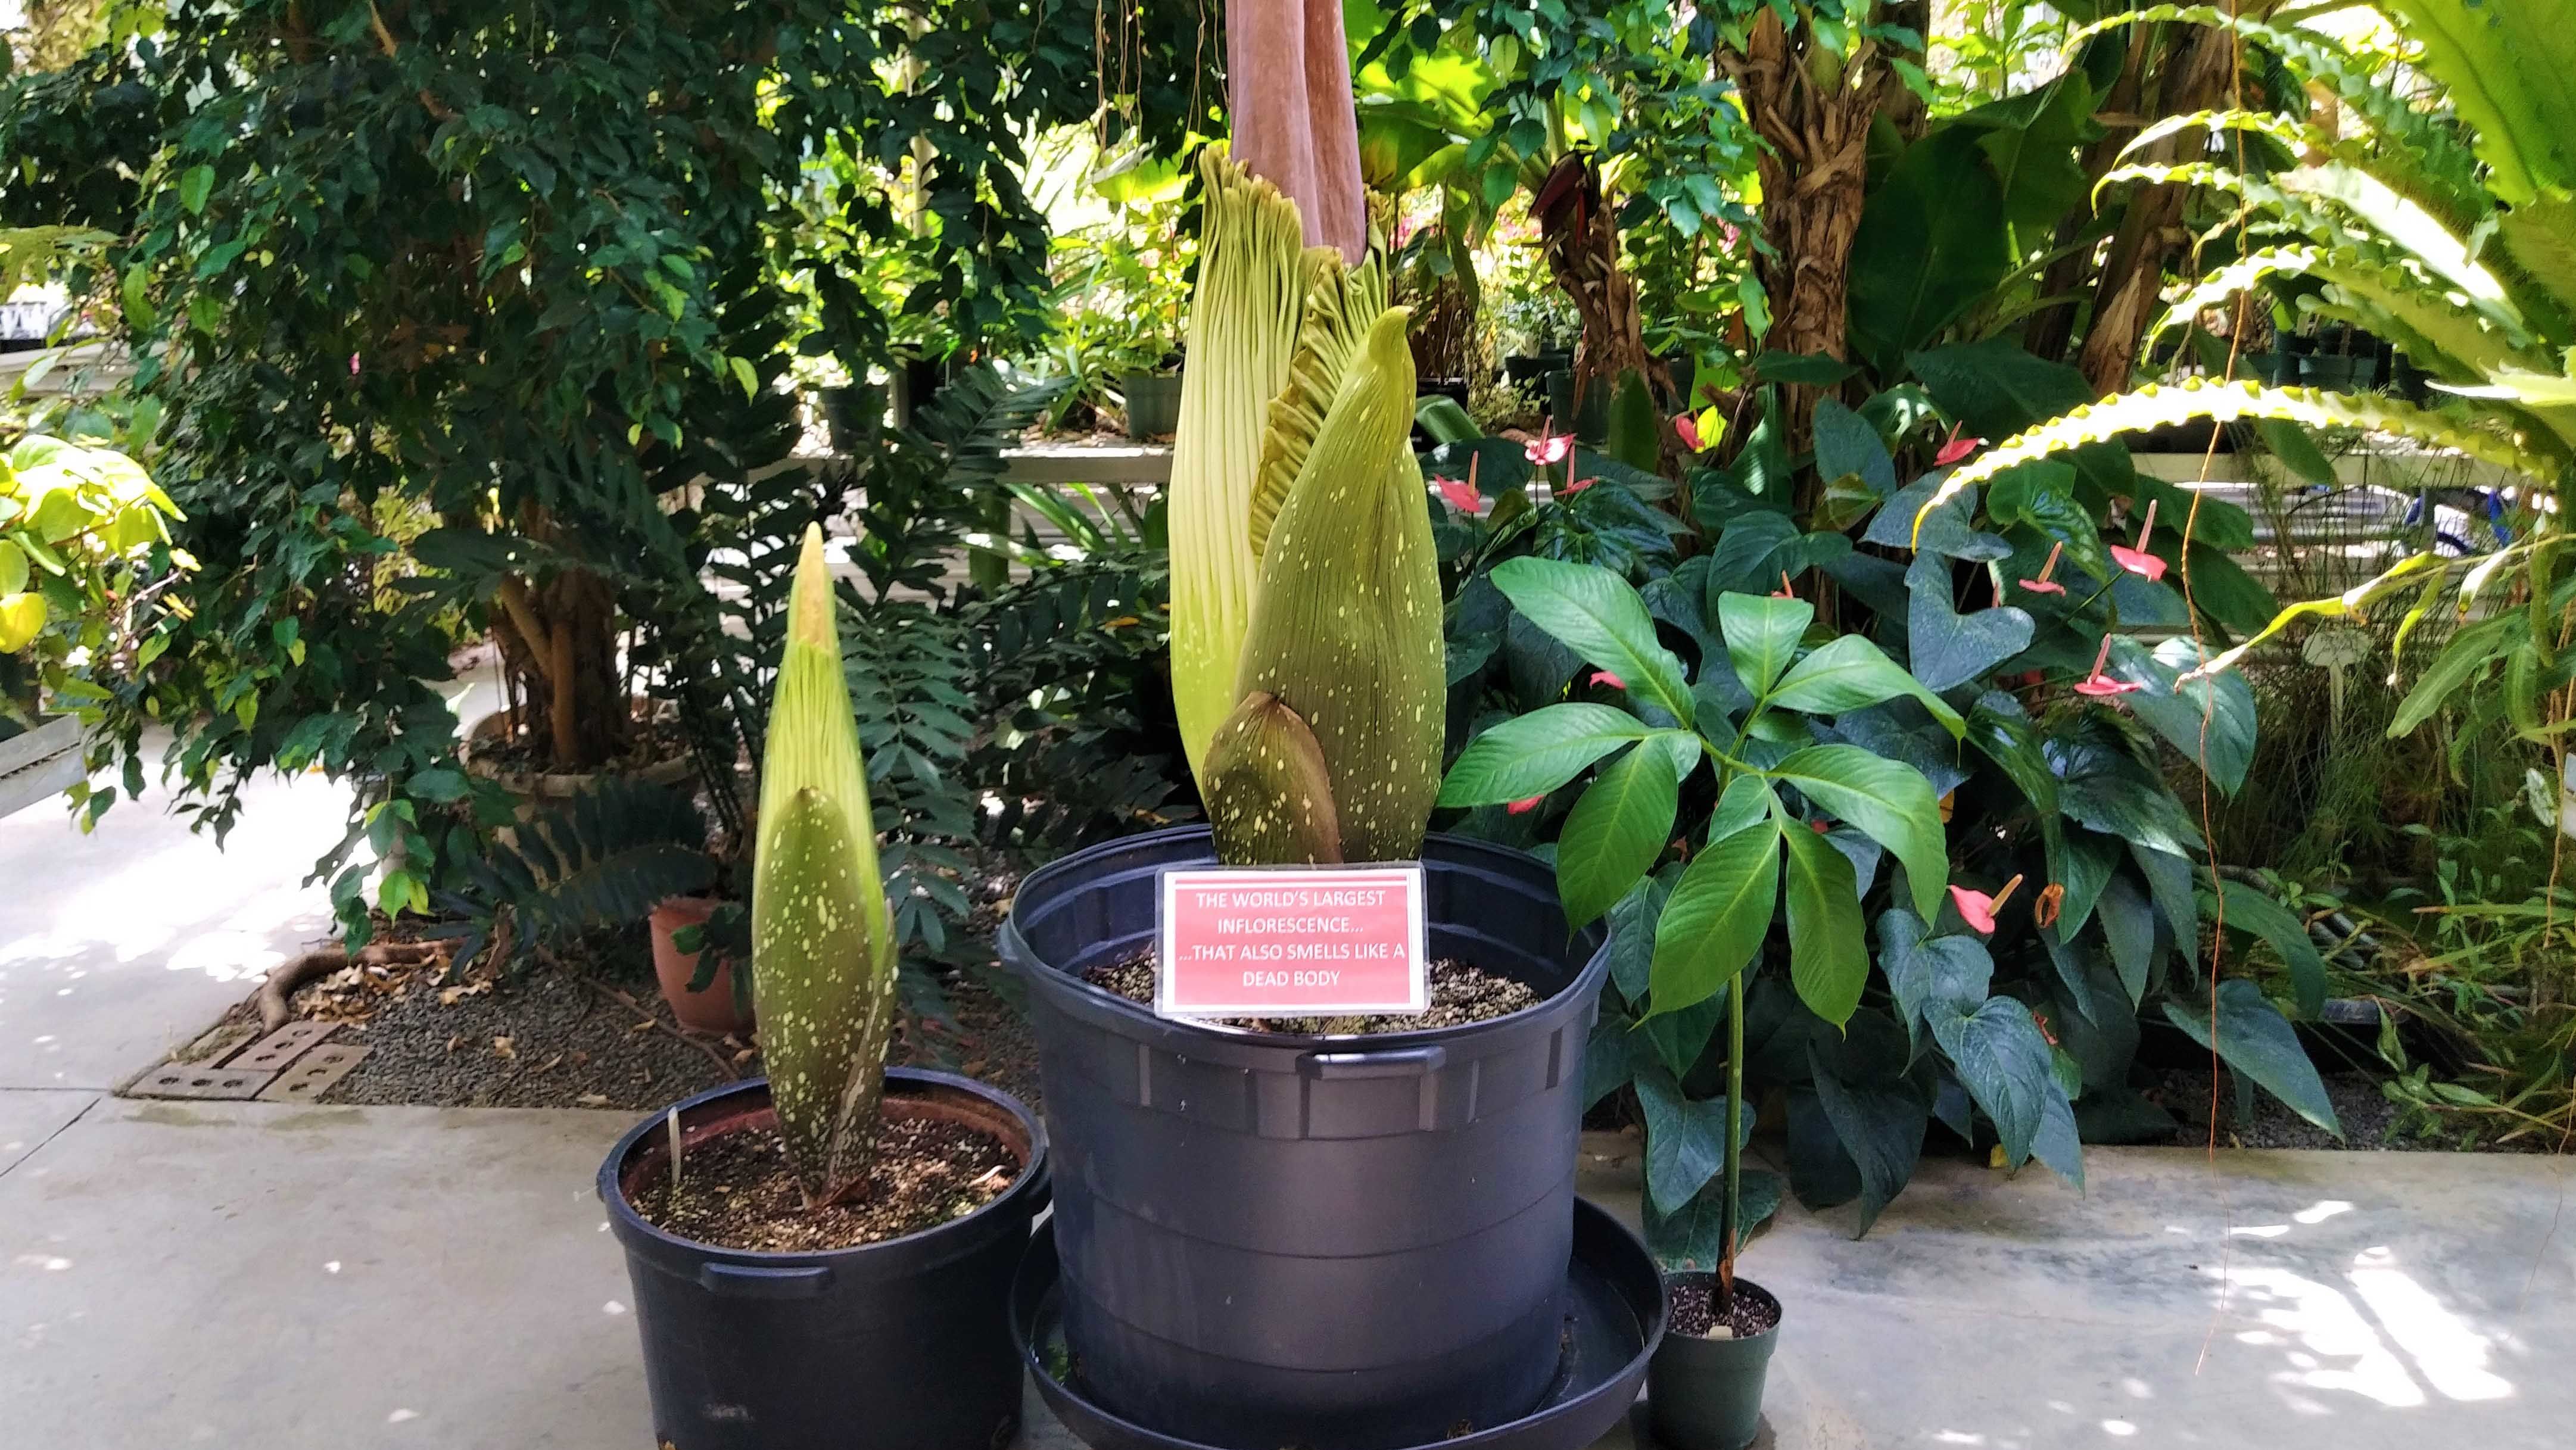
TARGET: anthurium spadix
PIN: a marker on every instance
(1333, 751)
(823, 960)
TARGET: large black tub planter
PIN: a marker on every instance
(1336, 1243)
(899, 1345)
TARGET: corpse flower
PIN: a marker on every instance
(1978, 909)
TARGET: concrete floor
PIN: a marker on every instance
(312, 1279)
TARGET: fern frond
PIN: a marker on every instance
(2295, 134)
(2221, 286)
(2421, 154)
(2154, 406)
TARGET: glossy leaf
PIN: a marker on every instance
(1889, 801)
(1614, 833)
(1762, 635)
(1946, 647)
(2006, 1066)
(1693, 1239)
(1599, 616)
(1717, 918)
(1847, 673)
(1881, 1125)
(1685, 1140)
(2251, 910)
(1828, 960)
(1535, 753)
(1928, 973)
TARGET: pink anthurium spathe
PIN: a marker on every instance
(1955, 448)
(1459, 494)
(2137, 560)
(2043, 584)
(2101, 686)
(1525, 806)
(1604, 677)
(1978, 909)
(1548, 448)
(1577, 486)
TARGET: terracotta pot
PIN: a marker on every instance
(711, 1010)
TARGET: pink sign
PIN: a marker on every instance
(1291, 942)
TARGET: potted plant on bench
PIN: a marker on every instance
(822, 1258)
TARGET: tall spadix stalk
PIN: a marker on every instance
(1324, 738)
(823, 958)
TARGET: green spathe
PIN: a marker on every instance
(823, 963)
(1345, 642)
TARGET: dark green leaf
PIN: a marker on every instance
(1685, 1140)
(1880, 1123)
(1693, 1239)
(2255, 1040)
(2006, 1066)
(1946, 972)
(2248, 909)
(1847, 446)
(1948, 648)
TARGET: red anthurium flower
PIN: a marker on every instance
(1956, 449)
(1784, 591)
(1978, 909)
(1688, 430)
(1459, 494)
(2101, 686)
(1820, 825)
(1577, 486)
(2137, 561)
(1604, 677)
(1548, 447)
(1524, 807)
(2042, 584)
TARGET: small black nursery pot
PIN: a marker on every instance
(899, 1345)
(1705, 1393)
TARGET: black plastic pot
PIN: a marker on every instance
(1530, 369)
(1706, 1394)
(1340, 1243)
(900, 1345)
(1153, 403)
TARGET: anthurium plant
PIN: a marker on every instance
(823, 949)
(1881, 818)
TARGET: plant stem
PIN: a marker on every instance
(1730, 1222)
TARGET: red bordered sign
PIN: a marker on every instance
(1291, 942)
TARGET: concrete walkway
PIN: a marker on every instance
(312, 1279)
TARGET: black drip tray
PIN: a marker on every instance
(1616, 1318)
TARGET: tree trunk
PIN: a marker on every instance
(2198, 66)
(1813, 112)
(559, 643)
(1581, 242)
